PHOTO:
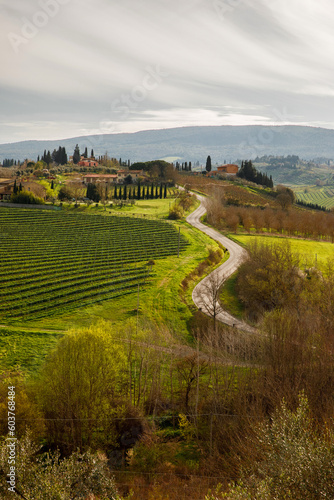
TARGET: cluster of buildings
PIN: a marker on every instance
(118, 178)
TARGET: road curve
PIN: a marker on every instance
(237, 256)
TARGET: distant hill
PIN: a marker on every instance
(192, 144)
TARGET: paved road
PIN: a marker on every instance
(201, 293)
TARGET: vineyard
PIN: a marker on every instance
(54, 262)
(323, 196)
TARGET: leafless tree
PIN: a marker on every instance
(209, 290)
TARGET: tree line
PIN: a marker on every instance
(250, 173)
(316, 225)
(127, 192)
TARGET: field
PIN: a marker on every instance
(70, 268)
(312, 253)
(323, 196)
(53, 262)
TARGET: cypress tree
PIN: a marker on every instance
(138, 191)
(208, 164)
(165, 193)
(92, 153)
(152, 191)
(63, 157)
(15, 187)
(124, 192)
(52, 185)
(160, 191)
(76, 154)
(85, 153)
(48, 158)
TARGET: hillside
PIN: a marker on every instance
(193, 143)
(292, 170)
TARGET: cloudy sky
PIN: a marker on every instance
(78, 67)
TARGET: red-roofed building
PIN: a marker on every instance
(88, 163)
(229, 168)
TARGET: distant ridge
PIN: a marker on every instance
(192, 143)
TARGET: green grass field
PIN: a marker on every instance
(24, 350)
(145, 208)
(311, 252)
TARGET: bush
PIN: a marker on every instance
(176, 212)
(65, 194)
(47, 477)
(26, 197)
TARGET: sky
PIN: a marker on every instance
(80, 67)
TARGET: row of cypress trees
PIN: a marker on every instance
(140, 192)
(126, 192)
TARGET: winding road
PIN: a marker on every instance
(201, 293)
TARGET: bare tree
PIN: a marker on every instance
(209, 291)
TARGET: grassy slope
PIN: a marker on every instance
(320, 195)
(27, 344)
(311, 252)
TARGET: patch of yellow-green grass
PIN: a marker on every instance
(158, 208)
(24, 350)
(312, 253)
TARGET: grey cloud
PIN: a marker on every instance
(255, 58)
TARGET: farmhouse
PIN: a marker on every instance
(94, 178)
(6, 188)
(88, 162)
(229, 168)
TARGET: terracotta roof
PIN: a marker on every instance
(100, 176)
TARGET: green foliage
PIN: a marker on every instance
(47, 476)
(155, 168)
(93, 193)
(78, 390)
(59, 156)
(26, 197)
(65, 193)
(76, 154)
(182, 204)
(249, 172)
(176, 212)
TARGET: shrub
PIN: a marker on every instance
(26, 197)
(47, 477)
